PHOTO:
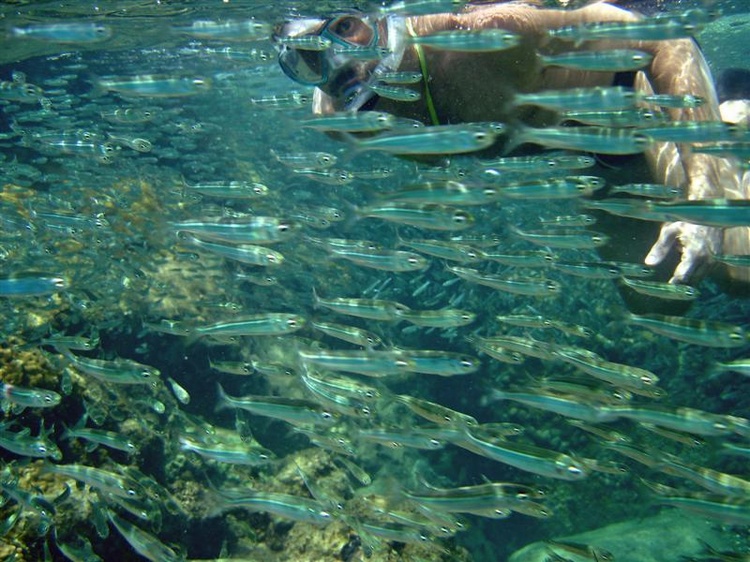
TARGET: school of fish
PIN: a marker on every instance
(211, 307)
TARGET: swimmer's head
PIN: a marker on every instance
(342, 69)
(320, 67)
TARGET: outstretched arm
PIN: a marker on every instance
(679, 68)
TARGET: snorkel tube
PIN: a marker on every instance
(359, 94)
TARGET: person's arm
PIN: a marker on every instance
(679, 68)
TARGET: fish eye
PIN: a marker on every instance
(435, 443)
(497, 128)
(489, 191)
(324, 160)
(291, 322)
(58, 283)
(42, 449)
(146, 374)
(460, 217)
(131, 493)
(465, 363)
(480, 136)
(271, 258)
(413, 261)
(366, 411)
(737, 335)
(48, 398)
(574, 470)
(327, 415)
(259, 190)
(553, 287)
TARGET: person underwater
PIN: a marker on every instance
(503, 62)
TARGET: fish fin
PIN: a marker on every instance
(223, 402)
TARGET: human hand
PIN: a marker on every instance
(698, 244)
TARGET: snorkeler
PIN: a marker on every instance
(462, 87)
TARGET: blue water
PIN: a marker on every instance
(129, 273)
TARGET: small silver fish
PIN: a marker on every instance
(615, 60)
(469, 40)
(64, 32)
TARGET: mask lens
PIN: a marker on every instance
(305, 67)
(350, 31)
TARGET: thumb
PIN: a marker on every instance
(663, 245)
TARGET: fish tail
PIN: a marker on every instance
(494, 395)
(65, 432)
(214, 502)
(316, 299)
(516, 139)
(224, 401)
(353, 216)
(717, 369)
(353, 148)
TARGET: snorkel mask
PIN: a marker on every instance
(338, 70)
(316, 67)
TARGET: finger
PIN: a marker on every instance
(686, 267)
(698, 244)
(663, 245)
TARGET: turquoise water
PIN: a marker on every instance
(94, 180)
